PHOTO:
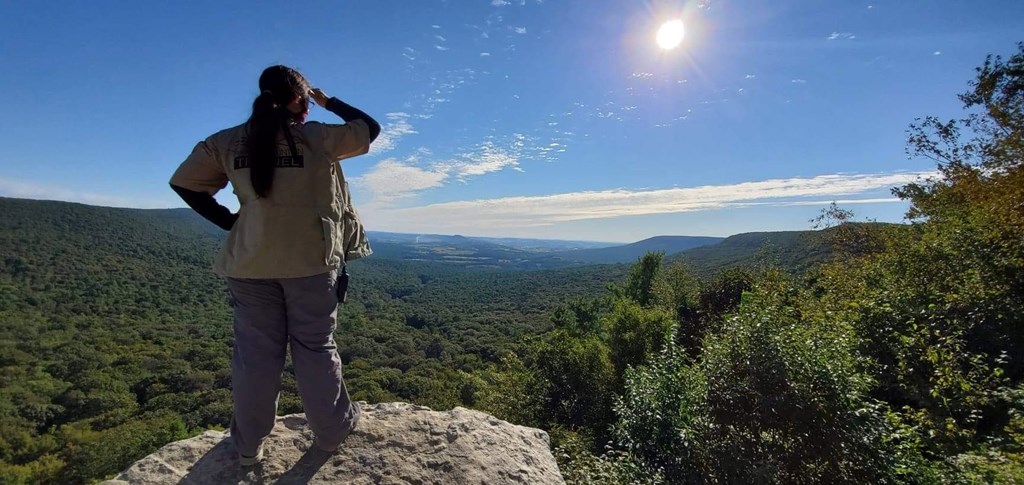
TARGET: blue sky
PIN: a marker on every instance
(551, 119)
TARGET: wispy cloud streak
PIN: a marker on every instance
(396, 127)
(841, 36)
(393, 180)
(536, 211)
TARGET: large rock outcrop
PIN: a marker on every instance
(394, 443)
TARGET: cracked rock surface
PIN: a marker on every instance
(394, 443)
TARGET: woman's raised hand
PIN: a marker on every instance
(319, 96)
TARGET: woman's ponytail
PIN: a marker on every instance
(279, 86)
(262, 142)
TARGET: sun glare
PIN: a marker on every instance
(670, 35)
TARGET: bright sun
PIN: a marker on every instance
(671, 34)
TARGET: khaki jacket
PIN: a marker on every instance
(307, 224)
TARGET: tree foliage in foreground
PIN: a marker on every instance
(899, 361)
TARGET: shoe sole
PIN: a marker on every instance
(251, 460)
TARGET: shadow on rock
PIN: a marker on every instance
(220, 466)
(304, 470)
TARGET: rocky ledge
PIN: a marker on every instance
(394, 443)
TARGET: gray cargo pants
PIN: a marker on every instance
(270, 314)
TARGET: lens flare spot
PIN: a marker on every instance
(671, 33)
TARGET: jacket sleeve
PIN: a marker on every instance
(352, 138)
(201, 171)
(205, 205)
(198, 179)
(348, 140)
(350, 113)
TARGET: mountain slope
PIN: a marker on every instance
(793, 250)
(630, 252)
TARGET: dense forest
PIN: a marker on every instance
(115, 335)
(900, 359)
(865, 353)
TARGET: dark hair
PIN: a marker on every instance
(279, 86)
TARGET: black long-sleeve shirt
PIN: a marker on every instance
(207, 206)
(351, 113)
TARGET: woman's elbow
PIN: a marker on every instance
(374, 130)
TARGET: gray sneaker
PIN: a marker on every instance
(251, 460)
(356, 413)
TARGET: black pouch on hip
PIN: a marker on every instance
(341, 286)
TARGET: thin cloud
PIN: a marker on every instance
(520, 30)
(533, 211)
(394, 129)
(440, 89)
(500, 3)
(392, 180)
(841, 36)
(799, 81)
(488, 158)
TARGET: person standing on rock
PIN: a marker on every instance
(285, 254)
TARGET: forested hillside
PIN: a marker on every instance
(899, 359)
(794, 250)
(628, 253)
(115, 336)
